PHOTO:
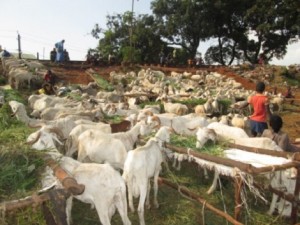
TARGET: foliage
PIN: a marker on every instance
(273, 23)
(20, 170)
(113, 119)
(181, 23)
(102, 83)
(243, 30)
(130, 38)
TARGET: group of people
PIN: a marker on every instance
(262, 115)
(59, 54)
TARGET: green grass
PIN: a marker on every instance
(103, 84)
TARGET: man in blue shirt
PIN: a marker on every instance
(60, 51)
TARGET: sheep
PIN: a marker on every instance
(142, 164)
(97, 179)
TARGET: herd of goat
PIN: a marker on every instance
(67, 127)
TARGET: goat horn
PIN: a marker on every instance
(156, 118)
(36, 125)
(35, 140)
(57, 131)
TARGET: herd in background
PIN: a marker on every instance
(68, 127)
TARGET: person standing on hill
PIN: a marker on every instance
(261, 110)
(60, 51)
(53, 55)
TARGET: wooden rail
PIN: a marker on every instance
(196, 197)
(245, 167)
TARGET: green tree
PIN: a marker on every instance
(272, 25)
(180, 23)
(130, 38)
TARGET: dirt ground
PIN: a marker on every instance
(74, 73)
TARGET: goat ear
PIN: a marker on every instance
(149, 113)
(171, 129)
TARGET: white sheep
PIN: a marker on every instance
(142, 164)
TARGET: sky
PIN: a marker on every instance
(42, 23)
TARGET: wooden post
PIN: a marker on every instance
(31, 200)
(294, 213)
(238, 184)
(68, 182)
(47, 214)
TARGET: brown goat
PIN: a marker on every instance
(123, 126)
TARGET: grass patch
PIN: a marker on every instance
(190, 142)
(20, 169)
(103, 84)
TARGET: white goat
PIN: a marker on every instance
(183, 125)
(96, 178)
(225, 132)
(142, 164)
(72, 141)
(203, 135)
(95, 146)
